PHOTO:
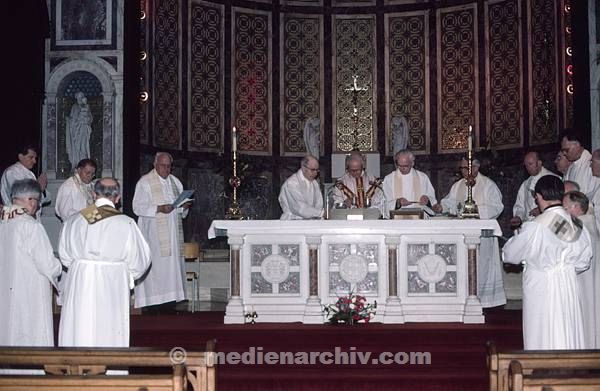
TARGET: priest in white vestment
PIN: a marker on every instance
(28, 269)
(356, 187)
(553, 248)
(162, 226)
(487, 196)
(77, 192)
(595, 200)
(406, 186)
(561, 163)
(525, 208)
(577, 204)
(300, 196)
(580, 170)
(22, 170)
(105, 253)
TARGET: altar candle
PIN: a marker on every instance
(470, 138)
(234, 140)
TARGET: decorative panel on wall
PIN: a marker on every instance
(301, 80)
(144, 72)
(542, 72)
(167, 69)
(504, 84)
(407, 80)
(251, 79)
(457, 73)
(354, 76)
(351, 3)
(301, 2)
(206, 76)
(566, 55)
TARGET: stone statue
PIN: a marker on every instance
(79, 130)
(399, 134)
(312, 137)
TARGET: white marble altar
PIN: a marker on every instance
(416, 270)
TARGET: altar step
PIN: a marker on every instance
(458, 351)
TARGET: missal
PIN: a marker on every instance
(185, 196)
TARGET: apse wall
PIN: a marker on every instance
(268, 67)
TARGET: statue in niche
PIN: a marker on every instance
(399, 133)
(79, 130)
(312, 136)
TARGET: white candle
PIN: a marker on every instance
(234, 140)
(470, 138)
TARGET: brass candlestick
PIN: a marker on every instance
(234, 212)
(470, 210)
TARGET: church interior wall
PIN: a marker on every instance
(269, 67)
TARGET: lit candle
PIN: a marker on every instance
(470, 138)
(234, 140)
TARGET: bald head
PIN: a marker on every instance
(108, 188)
(532, 163)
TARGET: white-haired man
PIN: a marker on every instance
(300, 196)
(28, 269)
(579, 171)
(105, 253)
(488, 198)
(406, 185)
(357, 186)
(162, 226)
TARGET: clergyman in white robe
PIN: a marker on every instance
(580, 172)
(165, 281)
(410, 186)
(300, 198)
(105, 252)
(28, 269)
(487, 196)
(72, 196)
(18, 172)
(360, 188)
(525, 202)
(553, 248)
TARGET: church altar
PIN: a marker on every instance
(416, 270)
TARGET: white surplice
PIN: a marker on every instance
(300, 198)
(552, 316)
(14, 173)
(408, 188)
(28, 269)
(487, 196)
(71, 197)
(589, 288)
(525, 202)
(580, 171)
(165, 281)
(104, 258)
(350, 182)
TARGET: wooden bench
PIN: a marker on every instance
(518, 381)
(82, 368)
(499, 362)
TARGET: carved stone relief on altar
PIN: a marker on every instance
(353, 267)
(432, 268)
(275, 269)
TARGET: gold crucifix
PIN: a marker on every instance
(355, 89)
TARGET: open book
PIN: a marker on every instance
(184, 197)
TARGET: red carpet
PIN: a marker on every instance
(457, 351)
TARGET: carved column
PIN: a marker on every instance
(473, 310)
(234, 313)
(313, 311)
(393, 307)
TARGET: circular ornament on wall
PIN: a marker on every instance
(353, 268)
(431, 268)
(275, 268)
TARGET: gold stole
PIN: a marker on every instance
(162, 219)
(559, 225)
(92, 214)
(416, 185)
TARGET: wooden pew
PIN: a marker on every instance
(499, 362)
(83, 368)
(520, 382)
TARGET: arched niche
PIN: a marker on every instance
(96, 79)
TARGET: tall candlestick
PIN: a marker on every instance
(470, 138)
(234, 140)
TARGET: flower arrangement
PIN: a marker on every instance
(350, 309)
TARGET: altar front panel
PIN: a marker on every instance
(272, 262)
